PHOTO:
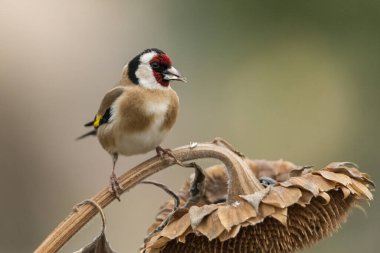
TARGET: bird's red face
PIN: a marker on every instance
(153, 69)
(161, 63)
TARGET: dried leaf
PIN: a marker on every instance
(166, 189)
(171, 214)
(197, 186)
(99, 245)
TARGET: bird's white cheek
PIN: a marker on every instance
(145, 74)
(146, 78)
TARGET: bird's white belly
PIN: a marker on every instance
(147, 140)
(139, 143)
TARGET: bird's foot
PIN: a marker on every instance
(115, 186)
(161, 152)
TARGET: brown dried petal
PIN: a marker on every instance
(305, 198)
(350, 170)
(282, 197)
(303, 183)
(279, 170)
(229, 234)
(281, 215)
(182, 238)
(177, 227)
(256, 198)
(352, 190)
(336, 177)
(211, 227)
(197, 214)
(367, 179)
(255, 220)
(361, 189)
(238, 212)
(266, 210)
(346, 192)
(346, 168)
(326, 197)
(157, 242)
(323, 184)
(299, 171)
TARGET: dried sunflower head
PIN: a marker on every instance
(298, 208)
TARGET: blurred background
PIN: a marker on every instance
(295, 80)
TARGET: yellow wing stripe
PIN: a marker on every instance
(97, 120)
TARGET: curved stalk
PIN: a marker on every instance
(241, 181)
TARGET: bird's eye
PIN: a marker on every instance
(155, 65)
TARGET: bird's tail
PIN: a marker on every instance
(92, 132)
(89, 124)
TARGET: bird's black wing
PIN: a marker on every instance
(104, 113)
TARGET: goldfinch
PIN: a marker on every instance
(135, 116)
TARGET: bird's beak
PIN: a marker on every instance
(173, 74)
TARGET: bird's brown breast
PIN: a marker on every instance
(172, 112)
(136, 114)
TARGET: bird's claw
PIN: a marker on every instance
(115, 186)
(161, 152)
